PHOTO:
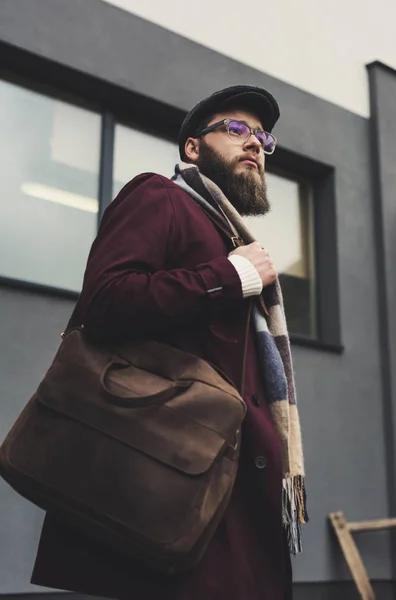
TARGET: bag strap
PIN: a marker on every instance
(245, 345)
(236, 241)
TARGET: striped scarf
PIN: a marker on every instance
(274, 353)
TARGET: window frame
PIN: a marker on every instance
(306, 197)
(321, 178)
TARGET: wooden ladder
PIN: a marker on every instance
(343, 530)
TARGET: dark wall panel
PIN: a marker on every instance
(30, 325)
(383, 137)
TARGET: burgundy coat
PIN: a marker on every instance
(156, 256)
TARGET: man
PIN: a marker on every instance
(162, 269)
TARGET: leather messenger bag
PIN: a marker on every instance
(135, 445)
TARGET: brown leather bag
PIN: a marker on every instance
(135, 445)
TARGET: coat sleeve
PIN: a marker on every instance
(127, 289)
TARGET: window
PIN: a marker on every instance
(138, 152)
(49, 167)
(287, 233)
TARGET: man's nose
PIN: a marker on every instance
(253, 143)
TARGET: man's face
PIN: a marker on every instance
(236, 166)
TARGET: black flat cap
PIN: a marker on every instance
(250, 97)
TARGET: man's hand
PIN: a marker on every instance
(260, 259)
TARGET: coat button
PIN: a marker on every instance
(260, 462)
(256, 399)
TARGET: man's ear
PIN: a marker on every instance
(191, 149)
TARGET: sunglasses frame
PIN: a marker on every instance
(228, 121)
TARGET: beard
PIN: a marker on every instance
(246, 192)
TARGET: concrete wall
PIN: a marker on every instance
(340, 395)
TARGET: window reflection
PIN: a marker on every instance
(138, 152)
(49, 166)
(287, 232)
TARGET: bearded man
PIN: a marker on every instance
(161, 268)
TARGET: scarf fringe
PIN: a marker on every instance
(294, 511)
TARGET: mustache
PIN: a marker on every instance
(260, 167)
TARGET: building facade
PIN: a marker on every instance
(91, 94)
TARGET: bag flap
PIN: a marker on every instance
(161, 432)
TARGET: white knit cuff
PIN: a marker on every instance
(250, 279)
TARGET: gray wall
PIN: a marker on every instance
(340, 395)
(30, 327)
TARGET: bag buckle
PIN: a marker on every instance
(236, 241)
(236, 444)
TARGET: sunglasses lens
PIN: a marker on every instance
(238, 130)
(267, 141)
(271, 143)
